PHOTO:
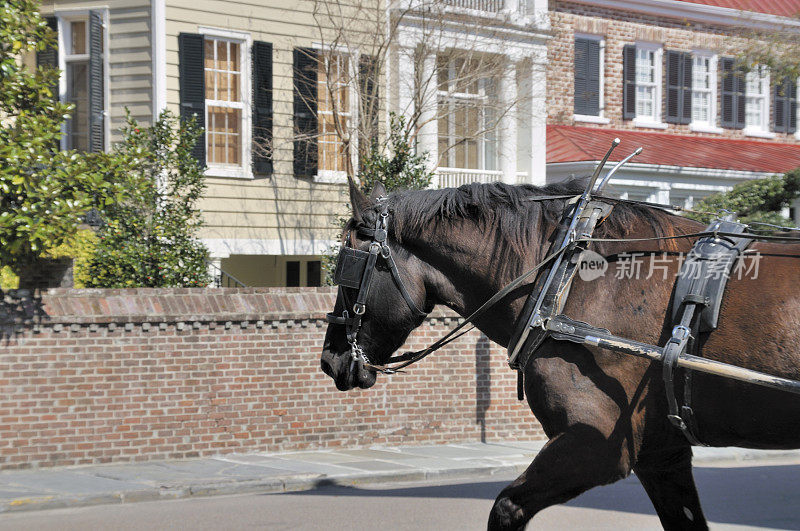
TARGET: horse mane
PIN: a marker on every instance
(506, 213)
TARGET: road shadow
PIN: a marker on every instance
(764, 496)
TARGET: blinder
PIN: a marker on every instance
(350, 267)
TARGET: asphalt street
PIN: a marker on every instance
(734, 497)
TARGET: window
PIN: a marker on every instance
(641, 92)
(647, 83)
(83, 67)
(292, 273)
(314, 273)
(756, 106)
(467, 137)
(225, 105)
(587, 79)
(333, 100)
(704, 83)
(76, 62)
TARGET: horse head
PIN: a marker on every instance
(380, 299)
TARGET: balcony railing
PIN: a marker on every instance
(493, 6)
(455, 177)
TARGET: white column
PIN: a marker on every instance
(507, 126)
(538, 118)
(405, 82)
(427, 138)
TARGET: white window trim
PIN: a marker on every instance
(601, 117)
(245, 171)
(63, 18)
(761, 130)
(340, 177)
(710, 127)
(657, 120)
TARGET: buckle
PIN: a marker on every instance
(677, 421)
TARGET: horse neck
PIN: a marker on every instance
(465, 265)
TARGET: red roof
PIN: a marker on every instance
(566, 143)
(783, 8)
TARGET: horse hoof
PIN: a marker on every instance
(506, 515)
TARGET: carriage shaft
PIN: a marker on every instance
(686, 361)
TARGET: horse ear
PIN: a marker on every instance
(378, 191)
(359, 201)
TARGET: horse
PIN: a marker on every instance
(604, 412)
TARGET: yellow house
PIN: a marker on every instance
(271, 203)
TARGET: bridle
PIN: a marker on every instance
(355, 269)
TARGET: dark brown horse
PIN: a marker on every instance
(605, 413)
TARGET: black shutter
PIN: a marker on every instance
(305, 112)
(679, 87)
(191, 64)
(733, 86)
(97, 118)
(686, 106)
(262, 108)
(580, 81)
(629, 82)
(48, 58)
(785, 104)
(587, 77)
(368, 72)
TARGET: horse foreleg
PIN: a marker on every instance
(668, 481)
(571, 463)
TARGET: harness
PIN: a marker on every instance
(695, 309)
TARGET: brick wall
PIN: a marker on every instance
(95, 376)
(620, 28)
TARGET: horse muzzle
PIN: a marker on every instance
(346, 372)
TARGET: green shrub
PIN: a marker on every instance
(759, 200)
(150, 238)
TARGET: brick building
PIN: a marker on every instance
(661, 74)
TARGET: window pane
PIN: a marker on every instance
(472, 154)
(234, 56)
(222, 55)
(224, 135)
(78, 95)
(78, 30)
(209, 53)
(442, 72)
(234, 150)
(235, 81)
(222, 86)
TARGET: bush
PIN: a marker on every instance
(150, 238)
(760, 200)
